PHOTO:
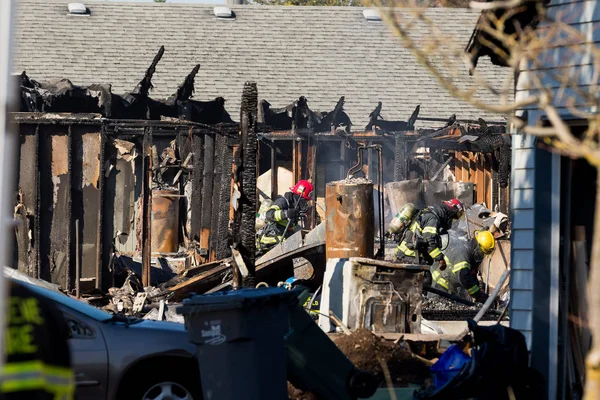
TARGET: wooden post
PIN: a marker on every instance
(246, 176)
(311, 175)
(77, 263)
(274, 188)
(296, 160)
(147, 212)
(458, 166)
(480, 179)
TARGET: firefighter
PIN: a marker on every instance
(283, 215)
(38, 362)
(422, 238)
(463, 259)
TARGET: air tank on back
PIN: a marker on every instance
(350, 218)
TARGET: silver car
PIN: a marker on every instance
(117, 357)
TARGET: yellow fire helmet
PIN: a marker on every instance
(486, 241)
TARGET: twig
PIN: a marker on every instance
(504, 312)
(339, 323)
(388, 378)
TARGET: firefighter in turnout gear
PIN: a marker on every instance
(463, 259)
(38, 362)
(282, 217)
(422, 238)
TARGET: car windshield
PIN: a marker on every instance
(70, 302)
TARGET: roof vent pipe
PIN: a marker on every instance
(77, 8)
(372, 14)
(223, 12)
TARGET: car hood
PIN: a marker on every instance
(158, 325)
(146, 337)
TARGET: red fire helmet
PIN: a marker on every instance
(456, 206)
(303, 188)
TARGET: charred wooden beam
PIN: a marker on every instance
(335, 119)
(274, 187)
(145, 85)
(147, 210)
(221, 197)
(208, 174)
(99, 242)
(197, 186)
(376, 121)
(186, 90)
(246, 175)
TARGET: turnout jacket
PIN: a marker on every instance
(38, 362)
(423, 234)
(277, 219)
(461, 270)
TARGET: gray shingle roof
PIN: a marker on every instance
(319, 52)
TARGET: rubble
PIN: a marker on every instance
(367, 351)
(436, 308)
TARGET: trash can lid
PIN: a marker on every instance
(239, 298)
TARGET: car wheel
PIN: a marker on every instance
(166, 387)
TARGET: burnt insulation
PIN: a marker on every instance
(247, 170)
(197, 175)
(207, 181)
(216, 208)
(501, 157)
(399, 159)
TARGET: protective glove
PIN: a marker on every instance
(481, 297)
(442, 264)
(292, 214)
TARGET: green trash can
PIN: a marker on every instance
(240, 340)
(316, 364)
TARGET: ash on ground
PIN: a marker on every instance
(436, 303)
(352, 181)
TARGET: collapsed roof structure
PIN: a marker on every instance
(113, 139)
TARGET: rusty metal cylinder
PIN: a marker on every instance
(350, 219)
(165, 221)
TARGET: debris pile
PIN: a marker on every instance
(436, 308)
(297, 394)
(368, 352)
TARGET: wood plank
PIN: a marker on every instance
(200, 283)
(457, 166)
(465, 168)
(297, 160)
(472, 167)
(479, 180)
(487, 182)
(418, 336)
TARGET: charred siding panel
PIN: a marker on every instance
(197, 175)
(86, 170)
(54, 204)
(123, 191)
(220, 204)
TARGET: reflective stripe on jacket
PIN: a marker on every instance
(461, 268)
(38, 360)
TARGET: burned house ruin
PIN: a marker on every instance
(140, 140)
